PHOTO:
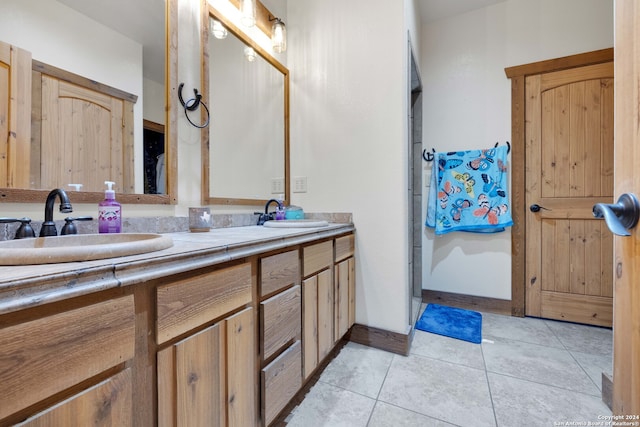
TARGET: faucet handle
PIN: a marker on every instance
(24, 231)
(69, 227)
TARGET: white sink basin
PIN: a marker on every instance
(296, 223)
(79, 247)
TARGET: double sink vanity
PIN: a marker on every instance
(215, 328)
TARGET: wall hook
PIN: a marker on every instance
(196, 100)
(192, 104)
(428, 157)
(508, 146)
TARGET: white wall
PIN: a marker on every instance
(348, 137)
(467, 105)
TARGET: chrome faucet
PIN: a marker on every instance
(48, 226)
(266, 216)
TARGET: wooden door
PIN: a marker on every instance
(82, 140)
(626, 322)
(15, 116)
(569, 163)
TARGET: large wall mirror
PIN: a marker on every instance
(80, 50)
(246, 147)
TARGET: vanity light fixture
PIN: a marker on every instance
(278, 35)
(218, 30)
(249, 53)
(248, 11)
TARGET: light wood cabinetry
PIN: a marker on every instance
(344, 286)
(56, 353)
(208, 377)
(229, 344)
(280, 331)
(318, 298)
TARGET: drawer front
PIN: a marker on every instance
(281, 319)
(281, 380)
(278, 272)
(195, 300)
(317, 257)
(345, 247)
(45, 356)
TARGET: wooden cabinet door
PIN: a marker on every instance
(344, 297)
(317, 306)
(569, 133)
(15, 116)
(208, 379)
(107, 404)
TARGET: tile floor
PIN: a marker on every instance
(527, 372)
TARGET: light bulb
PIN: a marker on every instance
(248, 11)
(218, 30)
(279, 36)
(250, 54)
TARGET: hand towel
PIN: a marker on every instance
(468, 192)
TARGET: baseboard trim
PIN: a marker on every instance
(393, 342)
(469, 302)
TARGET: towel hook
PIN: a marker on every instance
(508, 146)
(192, 104)
(428, 157)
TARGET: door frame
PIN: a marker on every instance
(517, 75)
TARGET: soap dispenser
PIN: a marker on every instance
(109, 211)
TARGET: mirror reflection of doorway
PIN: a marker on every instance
(154, 162)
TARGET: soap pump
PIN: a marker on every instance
(109, 211)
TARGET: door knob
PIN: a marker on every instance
(536, 208)
(621, 216)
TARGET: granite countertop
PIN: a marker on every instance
(31, 285)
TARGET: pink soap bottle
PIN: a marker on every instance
(109, 212)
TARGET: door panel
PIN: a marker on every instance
(569, 168)
(626, 330)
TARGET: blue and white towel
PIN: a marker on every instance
(468, 192)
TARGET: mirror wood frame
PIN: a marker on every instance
(208, 13)
(16, 195)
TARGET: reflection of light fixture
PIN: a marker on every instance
(278, 35)
(248, 11)
(218, 30)
(250, 54)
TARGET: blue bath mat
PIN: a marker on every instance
(452, 322)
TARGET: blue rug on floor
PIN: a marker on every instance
(452, 322)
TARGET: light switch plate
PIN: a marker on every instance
(300, 184)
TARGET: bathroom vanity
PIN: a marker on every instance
(223, 328)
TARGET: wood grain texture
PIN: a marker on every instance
(468, 302)
(568, 155)
(317, 257)
(393, 342)
(279, 271)
(108, 404)
(341, 299)
(589, 309)
(197, 299)
(310, 325)
(345, 247)
(240, 373)
(281, 380)
(281, 320)
(325, 314)
(626, 333)
(45, 356)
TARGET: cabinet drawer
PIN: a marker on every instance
(317, 257)
(281, 321)
(281, 380)
(190, 302)
(45, 356)
(278, 272)
(345, 247)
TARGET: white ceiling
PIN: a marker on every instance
(434, 10)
